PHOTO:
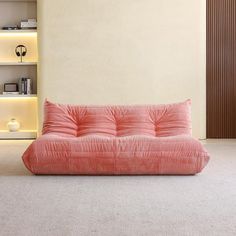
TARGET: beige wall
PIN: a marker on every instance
(123, 52)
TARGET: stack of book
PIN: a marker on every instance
(25, 86)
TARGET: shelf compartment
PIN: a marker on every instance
(22, 134)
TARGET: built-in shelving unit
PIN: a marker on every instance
(23, 107)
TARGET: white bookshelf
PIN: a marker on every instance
(23, 107)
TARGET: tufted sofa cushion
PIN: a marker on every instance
(118, 121)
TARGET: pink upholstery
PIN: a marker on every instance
(116, 140)
(116, 121)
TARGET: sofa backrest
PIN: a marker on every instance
(153, 120)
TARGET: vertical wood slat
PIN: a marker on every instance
(221, 68)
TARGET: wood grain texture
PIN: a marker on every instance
(221, 68)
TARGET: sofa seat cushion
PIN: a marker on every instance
(98, 154)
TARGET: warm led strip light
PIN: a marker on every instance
(17, 97)
(18, 34)
(21, 134)
(20, 131)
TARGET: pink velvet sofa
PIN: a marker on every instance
(116, 140)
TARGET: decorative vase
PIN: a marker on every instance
(13, 125)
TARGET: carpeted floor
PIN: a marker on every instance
(204, 204)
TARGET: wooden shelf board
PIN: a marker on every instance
(18, 95)
(18, 0)
(22, 134)
(12, 63)
(18, 31)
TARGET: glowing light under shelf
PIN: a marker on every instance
(16, 98)
(18, 34)
(20, 131)
(21, 134)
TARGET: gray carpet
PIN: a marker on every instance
(204, 204)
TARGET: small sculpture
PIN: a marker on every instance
(13, 125)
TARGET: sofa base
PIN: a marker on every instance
(134, 155)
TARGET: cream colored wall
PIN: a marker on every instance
(124, 52)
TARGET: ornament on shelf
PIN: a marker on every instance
(13, 125)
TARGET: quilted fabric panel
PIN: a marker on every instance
(96, 120)
(59, 119)
(151, 120)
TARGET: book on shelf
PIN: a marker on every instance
(25, 86)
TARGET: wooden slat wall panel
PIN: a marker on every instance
(221, 68)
